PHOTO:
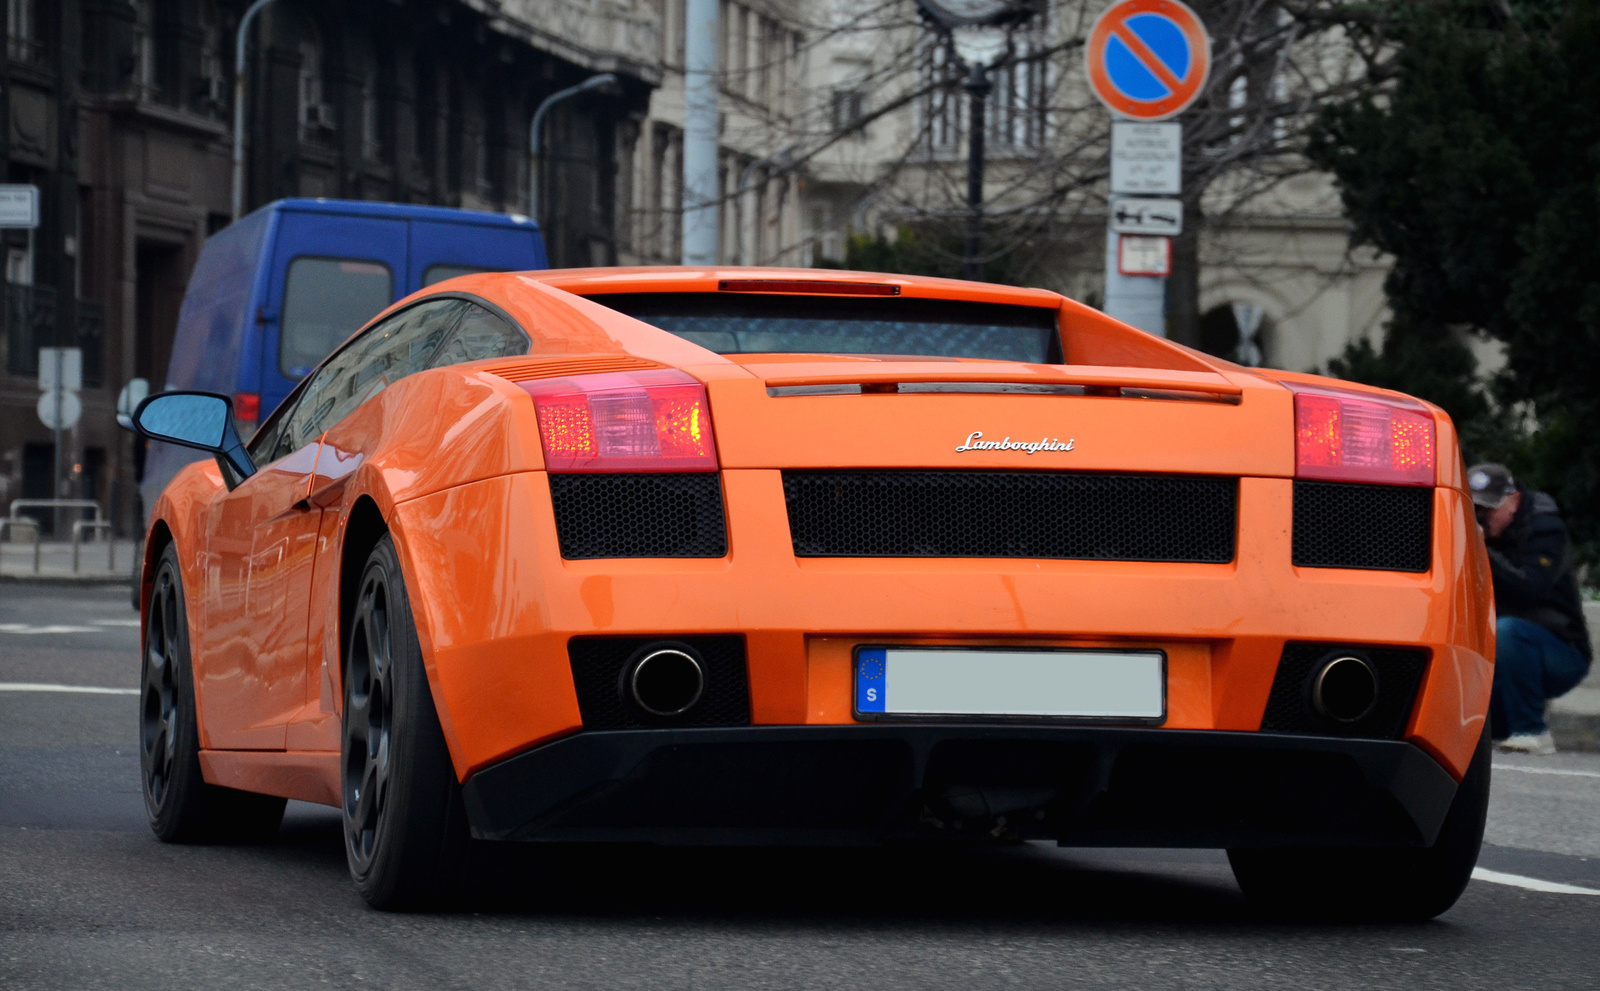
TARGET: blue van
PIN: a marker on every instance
(273, 294)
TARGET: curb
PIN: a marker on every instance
(47, 579)
(1577, 731)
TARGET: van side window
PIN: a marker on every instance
(324, 301)
(438, 273)
(388, 351)
(481, 334)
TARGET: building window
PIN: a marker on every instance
(366, 74)
(144, 51)
(477, 140)
(848, 110)
(211, 85)
(23, 43)
(316, 113)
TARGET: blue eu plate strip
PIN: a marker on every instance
(871, 683)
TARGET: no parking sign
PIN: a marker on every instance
(1148, 59)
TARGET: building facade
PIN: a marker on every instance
(843, 120)
(837, 119)
(120, 112)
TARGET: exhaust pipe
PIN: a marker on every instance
(666, 681)
(1345, 689)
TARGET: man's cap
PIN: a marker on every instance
(1491, 484)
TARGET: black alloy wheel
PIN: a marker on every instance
(366, 722)
(158, 710)
(181, 806)
(405, 827)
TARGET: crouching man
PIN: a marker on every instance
(1541, 642)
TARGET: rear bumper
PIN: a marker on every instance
(1080, 785)
(497, 608)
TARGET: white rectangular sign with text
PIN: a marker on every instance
(1146, 158)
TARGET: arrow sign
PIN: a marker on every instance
(1142, 216)
(1148, 59)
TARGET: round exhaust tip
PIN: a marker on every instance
(666, 682)
(1345, 690)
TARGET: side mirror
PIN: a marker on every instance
(129, 399)
(202, 420)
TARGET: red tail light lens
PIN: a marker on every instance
(247, 406)
(246, 413)
(1353, 437)
(624, 421)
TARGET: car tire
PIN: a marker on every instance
(181, 806)
(405, 828)
(1364, 884)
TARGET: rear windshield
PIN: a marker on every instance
(738, 323)
(325, 300)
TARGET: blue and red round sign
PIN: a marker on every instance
(1148, 59)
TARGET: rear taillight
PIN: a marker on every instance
(624, 421)
(1344, 436)
(246, 412)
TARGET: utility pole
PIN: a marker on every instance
(702, 218)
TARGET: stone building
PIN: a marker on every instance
(840, 119)
(120, 112)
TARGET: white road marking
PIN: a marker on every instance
(28, 629)
(1562, 772)
(116, 622)
(1529, 883)
(27, 686)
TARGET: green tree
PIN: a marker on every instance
(1478, 171)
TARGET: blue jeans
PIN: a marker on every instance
(1531, 664)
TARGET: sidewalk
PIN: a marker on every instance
(1574, 718)
(55, 561)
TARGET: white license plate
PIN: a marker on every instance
(940, 681)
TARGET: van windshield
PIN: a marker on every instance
(325, 300)
(739, 323)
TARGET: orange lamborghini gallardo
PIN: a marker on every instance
(778, 556)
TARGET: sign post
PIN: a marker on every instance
(60, 378)
(1147, 60)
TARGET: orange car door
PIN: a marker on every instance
(251, 664)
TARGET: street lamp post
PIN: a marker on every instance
(238, 104)
(606, 83)
(978, 33)
(977, 87)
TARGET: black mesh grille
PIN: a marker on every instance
(639, 515)
(598, 665)
(1011, 514)
(1289, 708)
(1375, 527)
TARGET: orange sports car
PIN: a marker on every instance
(766, 556)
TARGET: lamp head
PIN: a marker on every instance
(947, 14)
(606, 84)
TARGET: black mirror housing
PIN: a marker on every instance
(201, 420)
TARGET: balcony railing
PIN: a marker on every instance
(32, 316)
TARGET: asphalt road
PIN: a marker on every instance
(89, 899)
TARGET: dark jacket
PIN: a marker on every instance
(1532, 563)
